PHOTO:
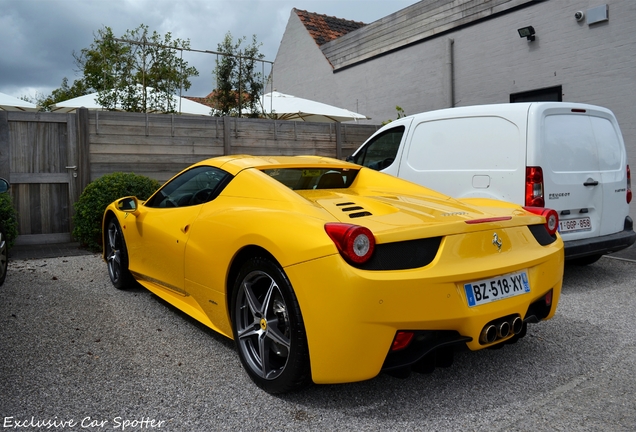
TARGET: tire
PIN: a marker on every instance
(586, 260)
(268, 328)
(4, 256)
(117, 256)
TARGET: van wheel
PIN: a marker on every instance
(586, 260)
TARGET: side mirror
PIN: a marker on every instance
(350, 159)
(128, 205)
(4, 185)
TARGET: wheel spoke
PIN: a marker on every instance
(251, 300)
(112, 238)
(275, 335)
(248, 332)
(267, 310)
(264, 348)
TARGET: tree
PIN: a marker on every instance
(79, 88)
(140, 72)
(239, 85)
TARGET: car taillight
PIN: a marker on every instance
(551, 217)
(534, 187)
(355, 243)
(629, 185)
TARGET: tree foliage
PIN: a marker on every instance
(400, 114)
(239, 84)
(139, 72)
(79, 88)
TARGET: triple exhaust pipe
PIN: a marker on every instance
(500, 329)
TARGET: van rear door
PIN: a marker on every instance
(581, 152)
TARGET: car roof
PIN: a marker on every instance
(236, 163)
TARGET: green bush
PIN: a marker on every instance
(8, 218)
(90, 207)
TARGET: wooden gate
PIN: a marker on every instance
(41, 164)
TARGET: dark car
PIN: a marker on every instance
(4, 247)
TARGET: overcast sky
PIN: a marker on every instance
(39, 36)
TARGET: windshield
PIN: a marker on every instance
(313, 178)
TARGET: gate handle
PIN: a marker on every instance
(590, 182)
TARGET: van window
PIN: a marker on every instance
(572, 140)
(380, 152)
(609, 145)
(470, 143)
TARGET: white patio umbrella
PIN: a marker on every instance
(10, 103)
(89, 101)
(288, 107)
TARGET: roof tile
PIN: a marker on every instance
(324, 28)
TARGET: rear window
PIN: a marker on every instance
(313, 178)
(582, 143)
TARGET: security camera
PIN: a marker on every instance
(579, 15)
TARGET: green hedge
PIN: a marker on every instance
(8, 218)
(90, 207)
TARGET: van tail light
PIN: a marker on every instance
(551, 218)
(355, 243)
(534, 187)
(629, 185)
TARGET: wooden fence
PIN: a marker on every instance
(49, 158)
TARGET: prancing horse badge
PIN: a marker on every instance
(497, 241)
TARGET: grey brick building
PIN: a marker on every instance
(436, 53)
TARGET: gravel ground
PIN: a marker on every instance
(75, 353)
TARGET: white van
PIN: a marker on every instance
(566, 156)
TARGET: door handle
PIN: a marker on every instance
(74, 168)
(590, 182)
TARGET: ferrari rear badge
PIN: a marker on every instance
(497, 241)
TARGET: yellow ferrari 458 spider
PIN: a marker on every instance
(325, 271)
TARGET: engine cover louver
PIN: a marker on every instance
(353, 210)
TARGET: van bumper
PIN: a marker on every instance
(601, 245)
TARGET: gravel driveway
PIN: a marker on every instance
(75, 354)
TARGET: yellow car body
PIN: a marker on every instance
(190, 255)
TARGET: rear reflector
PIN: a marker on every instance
(402, 340)
(548, 298)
